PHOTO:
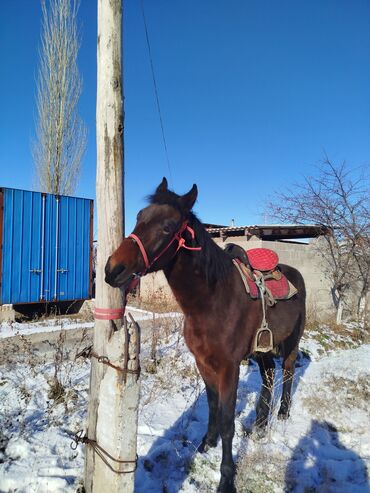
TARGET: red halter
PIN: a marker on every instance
(178, 237)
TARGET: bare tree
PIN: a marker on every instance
(60, 132)
(361, 256)
(336, 197)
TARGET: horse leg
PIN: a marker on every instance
(290, 351)
(267, 368)
(211, 437)
(226, 411)
(288, 375)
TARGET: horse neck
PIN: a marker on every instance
(187, 282)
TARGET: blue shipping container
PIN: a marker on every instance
(45, 247)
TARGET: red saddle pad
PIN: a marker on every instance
(262, 259)
(278, 288)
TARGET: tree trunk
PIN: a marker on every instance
(362, 307)
(339, 311)
(113, 401)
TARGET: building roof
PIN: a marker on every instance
(270, 232)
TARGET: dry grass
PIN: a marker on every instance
(29, 370)
(263, 469)
(332, 336)
(167, 357)
(60, 384)
(329, 333)
(338, 392)
(161, 328)
(353, 393)
(22, 356)
(259, 471)
(158, 301)
(157, 336)
(165, 360)
(17, 350)
(312, 320)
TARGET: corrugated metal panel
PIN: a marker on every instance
(74, 248)
(49, 245)
(45, 247)
(21, 246)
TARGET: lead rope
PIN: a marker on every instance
(79, 437)
(88, 352)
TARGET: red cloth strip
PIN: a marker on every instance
(109, 313)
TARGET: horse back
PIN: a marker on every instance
(295, 277)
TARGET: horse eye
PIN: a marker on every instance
(166, 230)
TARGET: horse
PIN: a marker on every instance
(220, 319)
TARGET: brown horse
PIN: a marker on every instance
(220, 318)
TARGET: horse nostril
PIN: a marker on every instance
(107, 267)
(112, 273)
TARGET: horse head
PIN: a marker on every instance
(156, 238)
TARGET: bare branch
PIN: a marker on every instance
(336, 196)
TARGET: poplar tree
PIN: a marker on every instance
(60, 132)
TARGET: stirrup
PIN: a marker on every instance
(263, 349)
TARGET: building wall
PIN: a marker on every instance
(303, 257)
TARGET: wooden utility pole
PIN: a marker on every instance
(114, 392)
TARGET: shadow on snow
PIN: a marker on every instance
(321, 463)
(169, 461)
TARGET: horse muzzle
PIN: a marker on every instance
(117, 275)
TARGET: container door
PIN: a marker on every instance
(49, 248)
(22, 271)
(73, 253)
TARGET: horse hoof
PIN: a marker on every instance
(203, 447)
(257, 432)
(260, 432)
(226, 486)
(206, 445)
(248, 431)
(283, 415)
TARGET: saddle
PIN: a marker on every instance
(261, 265)
(262, 278)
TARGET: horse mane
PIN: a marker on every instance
(215, 263)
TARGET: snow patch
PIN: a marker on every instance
(323, 446)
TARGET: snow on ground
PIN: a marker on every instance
(323, 447)
(18, 328)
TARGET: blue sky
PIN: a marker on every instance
(252, 93)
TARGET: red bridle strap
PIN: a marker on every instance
(178, 237)
(142, 249)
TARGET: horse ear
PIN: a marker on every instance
(163, 187)
(188, 200)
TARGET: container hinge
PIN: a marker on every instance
(62, 271)
(35, 271)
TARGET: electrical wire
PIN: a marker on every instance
(156, 93)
